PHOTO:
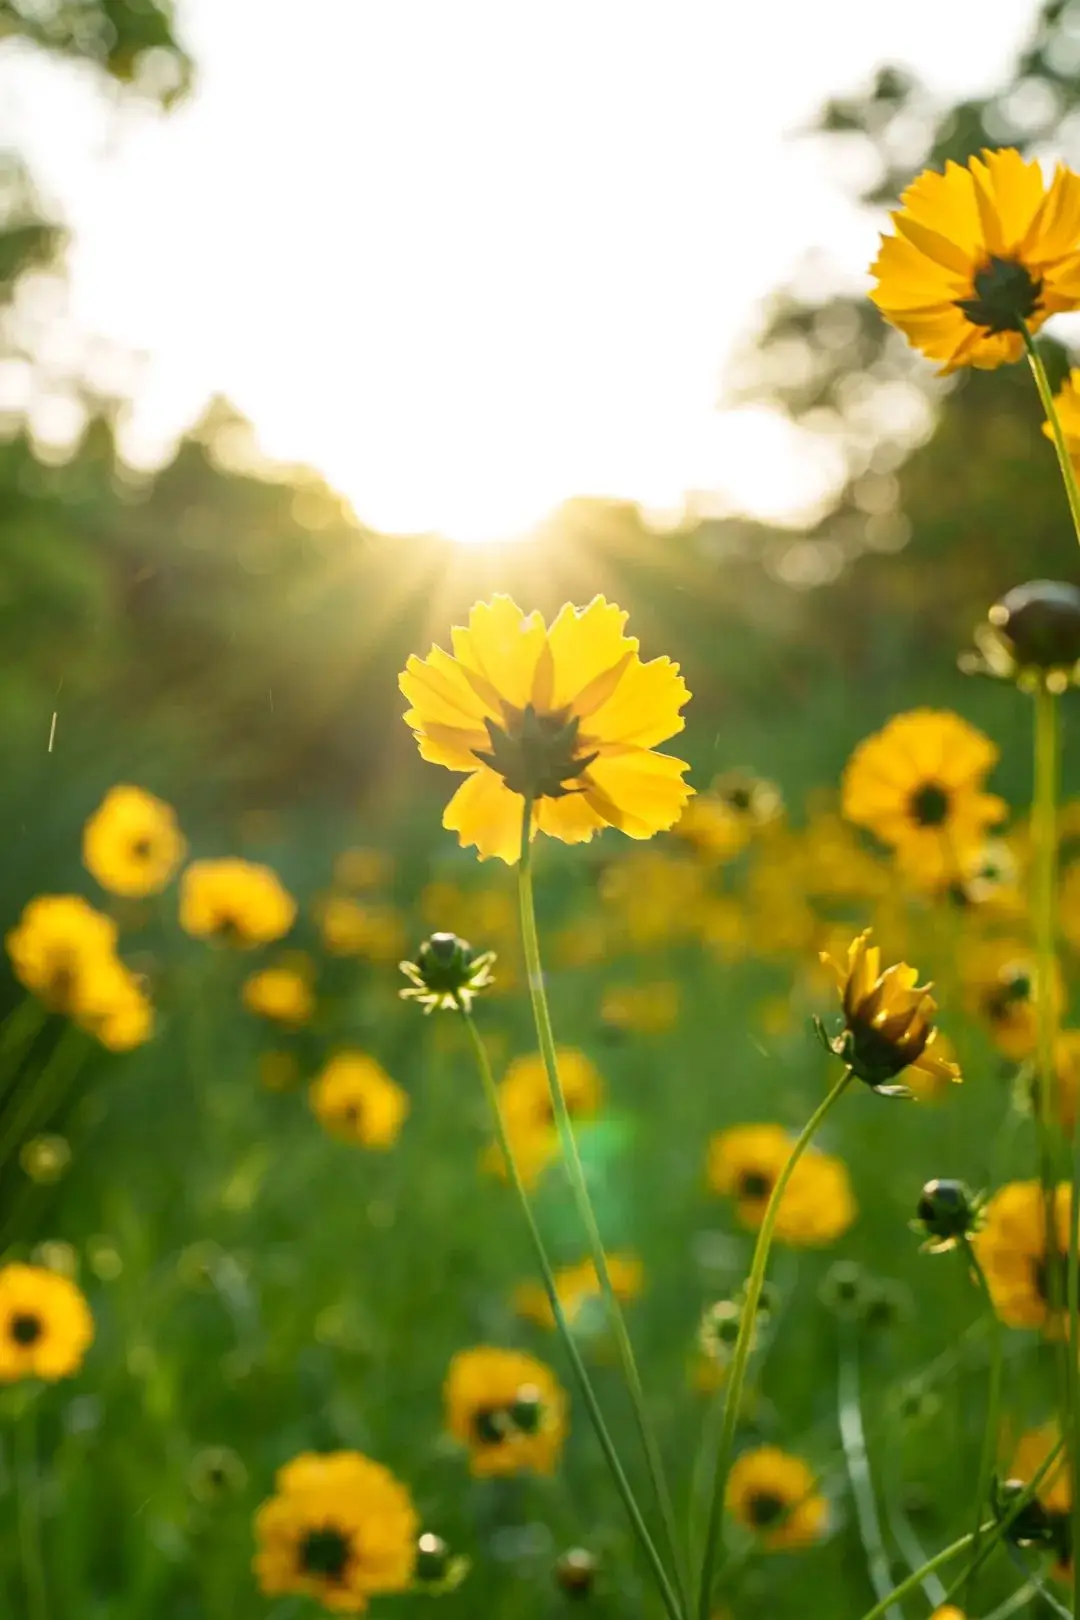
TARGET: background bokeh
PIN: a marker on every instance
(224, 632)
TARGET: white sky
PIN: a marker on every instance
(471, 257)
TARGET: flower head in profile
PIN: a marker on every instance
(355, 1100)
(1026, 1273)
(744, 1163)
(45, 1324)
(132, 844)
(447, 974)
(508, 1409)
(774, 1495)
(565, 716)
(980, 252)
(339, 1528)
(888, 1021)
(918, 786)
(1032, 635)
(235, 902)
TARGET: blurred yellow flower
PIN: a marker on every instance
(888, 1020)
(339, 1528)
(1069, 905)
(998, 978)
(567, 715)
(122, 1016)
(235, 902)
(979, 251)
(508, 1409)
(644, 1009)
(61, 948)
(653, 897)
(352, 927)
(917, 785)
(948, 1611)
(721, 822)
(774, 1495)
(1067, 1072)
(818, 1205)
(132, 844)
(525, 1100)
(355, 1100)
(1026, 1284)
(1032, 1450)
(578, 1288)
(281, 993)
(45, 1324)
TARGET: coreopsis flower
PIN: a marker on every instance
(1069, 905)
(355, 1100)
(121, 1015)
(947, 1213)
(998, 977)
(132, 844)
(721, 822)
(566, 716)
(1032, 635)
(508, 1409)
(1046, 1521)
(981, 251)
(888, 1021)
(1025, 1273)
(367, 928)
(918, 786)
(447, 974)
(61, 949)
(235, 902)
(282, 993)
(339, 1528)
(45, 1324)
(525, 1101)
(744, 1163)
(948, 1611)
(578, 1288)
(774, 1495)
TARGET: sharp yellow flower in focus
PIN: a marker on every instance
(772, 1494)
(565, 715)
(980, 251)
(339, 1528)
(132, 844)
(355, 1100)
(508, 1409)
(888, 1021)
(235, 902)
(45, 1324)
(918, 785)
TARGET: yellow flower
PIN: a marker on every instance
(578, 1288)
(567, 715)
(355, 1100)
(979, 252)
(888, 1021)
(1026, 1283)
(282, 993)
(917, 785)
(1070, 905)
(60, 949)
(818, 1204)
(646, 1009)
(1032, 1450)
(236, 902)
(351, 928)
(1067, 1071)
(999, 978)
(934, 1085)
(525, 1100)
(339, 1528)
(508, 1409)
(132, 844)
(720, 823)
(948, 1611)
(45, 1324)
(773, 1495)
(122, 1016)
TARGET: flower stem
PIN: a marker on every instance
(747, 1318)
(588, 1394)
(1046, 396)
(28, 1487)
(853, 1440)
(918, 1576)
(579, 1187)
(991, 1534)
(993, 1407)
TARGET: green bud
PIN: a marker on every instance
(947, 1212)
(447, 973)
(576, 1572)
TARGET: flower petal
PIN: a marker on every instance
(485, 813)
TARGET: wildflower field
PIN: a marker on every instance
(545, 1079)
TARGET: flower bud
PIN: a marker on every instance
(437, 1569)
(1032, 636)
(1032, 1526)
(447, 973)
(576, 1571)
(947, 1212)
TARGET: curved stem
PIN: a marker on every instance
(579, 1187)
(998, 1531)
(1046, 396)
(747, 1318)
(588, 1394)
(993, 1408)
(28, 1487)
(853, 1440)
(918, 1576)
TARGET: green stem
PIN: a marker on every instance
(999, 1531)
(28, 1488)
(579, 1187)
(1046, 396)
(588, 1394)
(32, 1107)
(993, 1408)
(853, 1440)
(918, 1576)
(748, 1316)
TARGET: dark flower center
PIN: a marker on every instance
(325, 1553)
(765, 1508)
(491, 1425)
(26, 1328)
(1006, 296)
(536, 754)
(740, 798)
(1011, 991)
(929, 805)
(61, 978)
(141, 849)
(755, 1185)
